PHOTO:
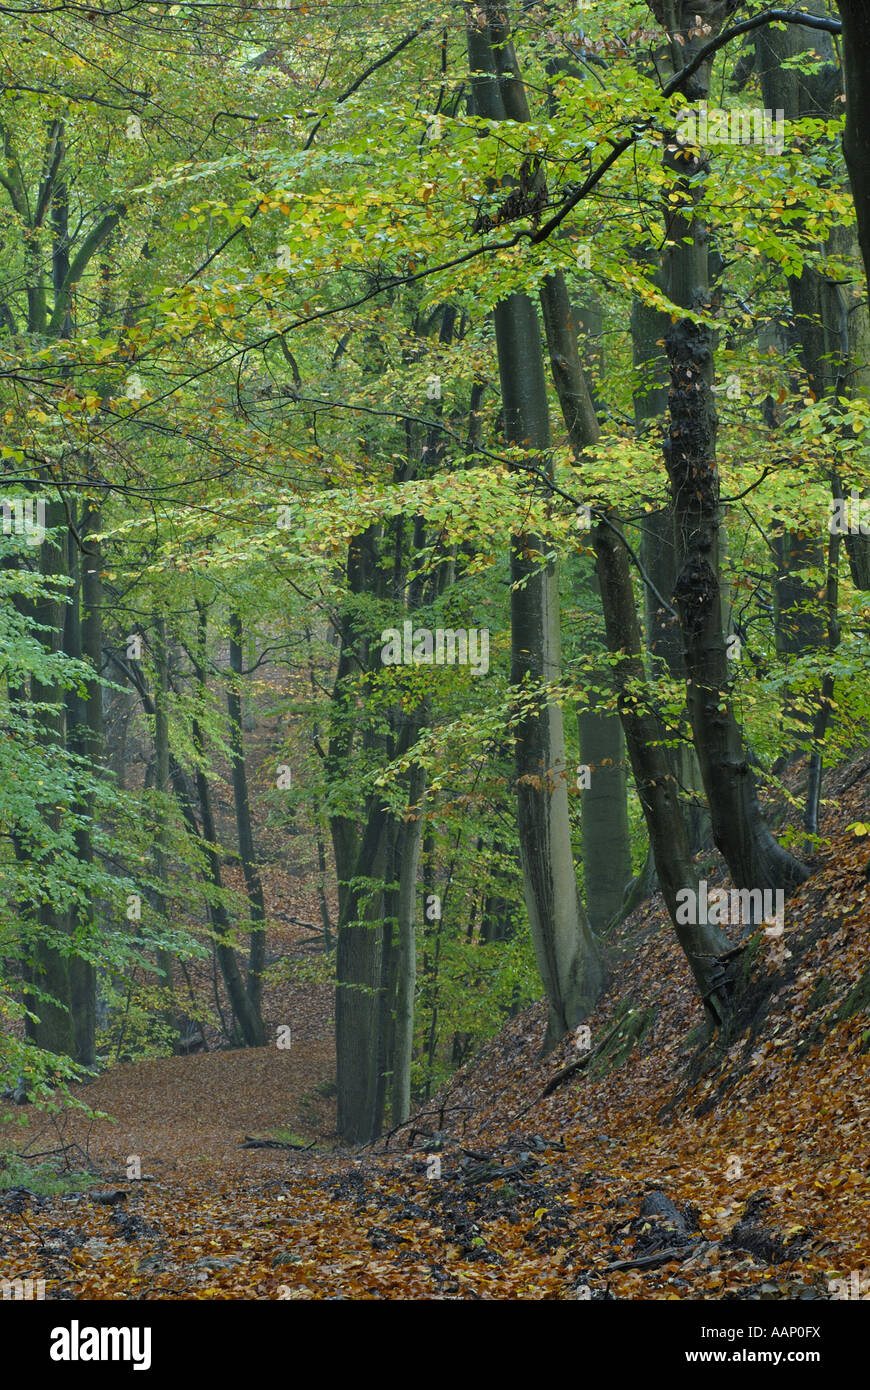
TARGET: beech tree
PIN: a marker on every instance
(312, 334)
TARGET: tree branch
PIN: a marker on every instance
(91, 244)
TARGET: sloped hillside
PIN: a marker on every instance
(650, 1165)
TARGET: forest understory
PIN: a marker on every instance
(434, 664)
(662, 1167)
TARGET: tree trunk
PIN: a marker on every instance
(162, 786)
(754, 857)
(855, 15)
(362, 560)
(247, 1016)
(567, 953)
(53, 1027)
(604, 831)
(358, 983)
(408, 856)
(83, 634)
(253, 884)
(653, 775)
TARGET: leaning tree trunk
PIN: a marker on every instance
(754, 857)
(656, 787)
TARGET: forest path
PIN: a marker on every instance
(752, 1182)
(209, 1217)
(177, 1111)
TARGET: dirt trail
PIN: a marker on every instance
(180, 1110)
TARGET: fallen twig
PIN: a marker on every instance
(650, 1261)
(274, 1144)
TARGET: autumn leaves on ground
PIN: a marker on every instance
(653, 1169)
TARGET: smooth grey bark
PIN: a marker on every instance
(408, 856)
(825, 707)
(359, 982)
(831, 324)
(91, 562)
(247, 1017)
(855, 17)
(84, 735)
(567, 954)
(362, 561)
(53, 1026)
(244, 828)
(374, 957)
(360, 861)
(367, 959)
(604, 831)
(162, 786)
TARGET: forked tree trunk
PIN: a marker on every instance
(567, 954)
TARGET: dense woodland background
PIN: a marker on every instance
(319, 321)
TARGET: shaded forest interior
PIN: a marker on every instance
(434, 677)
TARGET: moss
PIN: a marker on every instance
(821, 992)
(624, 1036)
(857, 1001)
(40, 1178)
(750, 954)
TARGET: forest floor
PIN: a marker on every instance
(658, 1169)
